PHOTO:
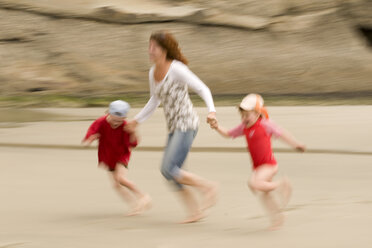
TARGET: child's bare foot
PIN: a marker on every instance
(277, 222)
(193, 218)
(147, 202)
(144, 203)
(210, 197)
(133, 212)
(285, 191)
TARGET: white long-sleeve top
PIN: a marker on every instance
(172, 93)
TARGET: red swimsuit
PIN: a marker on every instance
(259, 144)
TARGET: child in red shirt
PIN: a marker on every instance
(114, 150)
(258, 129)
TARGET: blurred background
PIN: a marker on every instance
(57, 57)
(88, 52)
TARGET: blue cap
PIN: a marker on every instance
(119, 108)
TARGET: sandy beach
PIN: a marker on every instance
(53, 195)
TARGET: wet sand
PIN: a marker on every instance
(59, 198)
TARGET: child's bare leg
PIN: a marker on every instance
(250, 186)
(261, 181)
(188, 198)
(272, 207)
(143, 200)
(285, 191)
(124, 193)
(208, 189)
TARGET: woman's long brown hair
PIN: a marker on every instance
(169, 44)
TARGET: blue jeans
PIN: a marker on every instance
(178, 146)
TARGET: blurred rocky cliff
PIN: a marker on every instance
(99, 48)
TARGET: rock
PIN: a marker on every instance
(305, 6)
(217, 18)
(359, 12)
(301, 47)
(306, 21)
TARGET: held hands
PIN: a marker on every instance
(131, 126)
(213, 124)
(212, 120)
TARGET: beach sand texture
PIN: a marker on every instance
(55, 196)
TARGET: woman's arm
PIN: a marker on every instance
(184, 74)
(148, 110)
(144, 114)
(151, 104)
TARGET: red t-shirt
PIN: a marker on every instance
(114, 145)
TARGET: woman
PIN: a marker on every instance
(170, 79)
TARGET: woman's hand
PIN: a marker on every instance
(211, 118)
(131, 126)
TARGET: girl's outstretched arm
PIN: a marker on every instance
(290, 140)
(281, 133)
(232, 133)
(221, 130)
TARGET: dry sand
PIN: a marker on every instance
(59, 198)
